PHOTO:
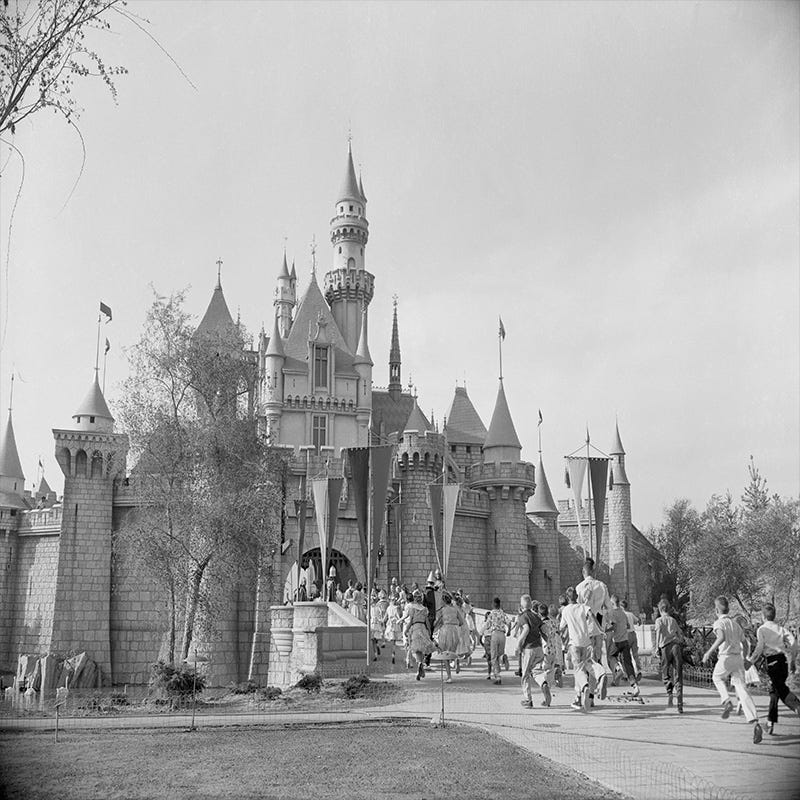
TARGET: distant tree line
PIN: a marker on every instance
(747, 550)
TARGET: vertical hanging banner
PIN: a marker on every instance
(359, 481)
(450, 497)
(435, 502)
(598, 475)
(334, 495)
(300, 507)
(381, 458)
(576, 468)
(319, 488)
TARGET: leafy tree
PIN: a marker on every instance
(43, 51)
(209, 492)
(675, 537)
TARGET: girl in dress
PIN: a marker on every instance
(358, 603)
(464, 637)
(376, 629)
(449, 622)
(415, 627)
(469, 616)
(393, 630)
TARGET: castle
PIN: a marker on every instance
(313, 394)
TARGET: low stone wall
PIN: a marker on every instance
(314, 637)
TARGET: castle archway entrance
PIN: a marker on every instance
(311, 570)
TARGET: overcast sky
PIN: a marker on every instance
(618, 180)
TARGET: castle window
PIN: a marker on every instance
(453, 448)
(351, 263)
(341, 209)
(319, 431)
(351, 208)
(320, 367)
(469, 449)
(340, 248)
(91, 419)
(79, 420)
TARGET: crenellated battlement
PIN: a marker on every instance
(40, 521)
(520, 474)
(349, 284)
(423, 449)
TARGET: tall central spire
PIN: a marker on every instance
(395, 384)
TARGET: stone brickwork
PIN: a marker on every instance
(619, 532)
(545, 577)
(280, 646)
(30, 615)
(468, 556)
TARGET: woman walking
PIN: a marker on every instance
(449, 622)
(415, 626)
(393, 629)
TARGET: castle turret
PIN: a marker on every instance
(348, 286)
(509, 482)
(217, 319)
(285, 297)
(12, 478)
(395, 387)
(363, 366)
(620, 526)
(272, 382)
(91, 457)
(545, 578)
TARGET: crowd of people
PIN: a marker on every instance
(590, 632)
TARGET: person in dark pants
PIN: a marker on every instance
(668, 640)
(429, 601)
(776, 644)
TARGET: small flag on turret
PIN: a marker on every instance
(104, 309)
(108, 347)
(540, 417)
(502, 329)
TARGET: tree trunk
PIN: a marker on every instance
(192, 601)
(172, 621)
(256, 620)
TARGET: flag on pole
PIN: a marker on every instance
(41, 466)
(108, 347)
(502, 330)
(540, 417)
(104, 309)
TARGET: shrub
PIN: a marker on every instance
(271, 693)
(175, 680)
(354, 687)
(311, 682)
(246, 687)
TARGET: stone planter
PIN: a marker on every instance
(282, 638)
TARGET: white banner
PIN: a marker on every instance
(449, 501)
(319, 488)
(577, 472)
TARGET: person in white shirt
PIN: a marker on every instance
(633, 639)
(576, 620)
(729, 642)
(777, 646)
(595, 594)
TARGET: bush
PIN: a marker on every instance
(246, 687)
(175, 680)
(271, 693)
(311, 682)
(354, 687)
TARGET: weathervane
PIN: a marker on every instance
(313, 255)
(219, 272)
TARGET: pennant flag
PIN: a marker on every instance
(108, 347)
(381, 458)
(41, 466)
(300, 507)
(334, 495)
(450, 496)
(540, 416)
(319, 488)
(566, 478)
(104, 309)
(598, 474)
(502, 329)
(576, 471)
(359, 481)
(435, 502)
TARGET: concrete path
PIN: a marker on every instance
(643, 751)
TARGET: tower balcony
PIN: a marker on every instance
(507, 473)
(349, 284)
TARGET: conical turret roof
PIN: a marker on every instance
(362, 351)
(464, 425)
(417, 421)
(502, 432)
(217, 318)
(361, 187)
(349, 189)
(284, 273)
(617, 449)
(10, 466)
(275, 346)
(94, 404)
(542, 500)
(43, 489)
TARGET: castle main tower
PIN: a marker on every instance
(509, 482)
(91, 456)
(348, 286)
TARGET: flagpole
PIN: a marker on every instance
(589, 482)
(370, 513)
(105, 360)
(500, 350)
(97, 351)
(444, 514)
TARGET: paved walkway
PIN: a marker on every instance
(645, 751)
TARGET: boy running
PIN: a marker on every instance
(668, 639)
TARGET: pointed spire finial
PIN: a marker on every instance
(219, 273)
(11, 393)
(313, 256)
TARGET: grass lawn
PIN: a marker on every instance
(370, 761)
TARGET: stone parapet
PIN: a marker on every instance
(280, 646)
(41, 521)
(517, 479)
